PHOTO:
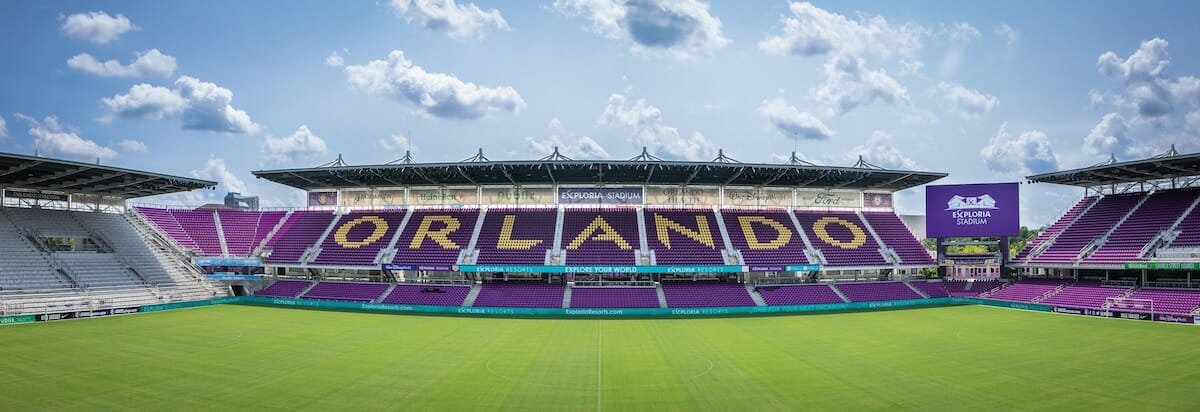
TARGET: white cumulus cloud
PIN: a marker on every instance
(301, 144)
(575, 147)
(812, 31)
(467, 20)
(197, 104)
(1154, 94)
(335, 60)
(96, 27)
(130, 145)
(679, 29)
(1010, 34)
(967, 103)
(1029, 152)
(647, 128)
(793, 123)
(50, 137)
(849, 84)
(436, 94)
(148, 63)
(3, 128)
(214, 169)
(1110, 136)
(879, 150)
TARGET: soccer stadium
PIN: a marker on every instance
(170, 247)
(567, 284)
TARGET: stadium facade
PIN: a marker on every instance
(645, 233)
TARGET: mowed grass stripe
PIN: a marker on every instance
(258, 358)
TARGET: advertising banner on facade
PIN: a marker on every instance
(880, 200)
(518, 196)
(443, 197)
(758, 197)
(600, 195)
(828, 198)
(972, 210)
(372, 198)
(322, 198)
(682, 196)
(21, 194)
(219, 261)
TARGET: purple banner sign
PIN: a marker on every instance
(600, 195)
(975, 210)
(322, 198)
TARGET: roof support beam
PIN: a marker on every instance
(123, 184)
(465, 176)
(769, 181)
(88, 181)
(385, 178)
(550, 172)
(423, 176)
(19, 168)
(743, 170)
(889, 182)
(504, 170)
(855, 181)
(313, 182)
(49, 177)
(693, 176)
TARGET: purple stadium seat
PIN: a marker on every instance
(614, 297)
(876, 291)
(687, 294)
(347, 291)
(1026, 290)
(427, 294)
(1090, 226)
(895, 235)
(520, 295)
(284, 288)
(1084, 294)
(933, 289)
(1157, 214)
(803, 294)
(298, 233)
(1055, 228)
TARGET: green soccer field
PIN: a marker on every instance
(258, 358)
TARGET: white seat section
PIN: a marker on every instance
(25, 267)
(126, 271)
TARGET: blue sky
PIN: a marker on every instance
(985, 92)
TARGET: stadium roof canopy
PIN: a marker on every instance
(557, 169)
(65, 176)
(1165, 167)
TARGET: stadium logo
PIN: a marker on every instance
(341, 236)
(859, 237)
(984, 201)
